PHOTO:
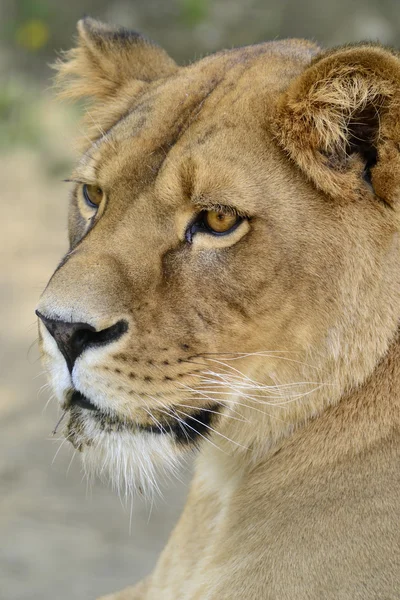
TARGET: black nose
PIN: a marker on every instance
(74, 338)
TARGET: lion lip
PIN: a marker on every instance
(78, 399)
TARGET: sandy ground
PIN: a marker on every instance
(58, 540)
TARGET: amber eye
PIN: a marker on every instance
(93, 195)
(220, 222)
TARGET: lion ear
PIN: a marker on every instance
(109, 67)
(107, 58)
(340, 122)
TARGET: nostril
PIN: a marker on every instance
(74, 338)
(106, 336)
(80, 340)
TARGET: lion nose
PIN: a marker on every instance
(73, 339)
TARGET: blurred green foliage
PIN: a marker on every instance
(194, 12)
(19, 115)
(31, 120)
(29, 24)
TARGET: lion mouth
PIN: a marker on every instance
(186, 429)
(78, 399)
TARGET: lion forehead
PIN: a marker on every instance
(219, 101)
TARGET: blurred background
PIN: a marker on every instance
(59, 540)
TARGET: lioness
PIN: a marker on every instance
(233, 285)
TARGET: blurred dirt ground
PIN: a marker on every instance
(58, 540)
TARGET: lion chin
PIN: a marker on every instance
(131, 457)
(232, 287)
(130, 460)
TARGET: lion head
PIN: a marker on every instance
(234, 251)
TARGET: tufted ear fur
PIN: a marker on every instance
(340, 122)
(109, 67)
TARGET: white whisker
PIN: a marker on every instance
(215, 412)
(175, 416)
(70, 462)
(50, 398)
(211, 429)
(59, 448)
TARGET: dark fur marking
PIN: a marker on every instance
(235, 306)
(207, 134)
(203, 318)
(190, 429)
(179, 126)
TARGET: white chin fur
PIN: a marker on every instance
(132, 462)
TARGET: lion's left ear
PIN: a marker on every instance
(109, 67)
(106, 58)
(340, 122)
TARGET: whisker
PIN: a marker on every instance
(265, 355)
(70, 462)
(179, 422)
(205, 396)
(61, 445)
(51, 397)
(39, 375)
(58, 422)
(156, 421)
(256, 399)
(158, 401)
(263, 412)
(212, 429)
(174, 416)
(150, 476)
(35, 341)
(257, 384)
(215, 412)
(41, 389)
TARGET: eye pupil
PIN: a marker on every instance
(220, 222)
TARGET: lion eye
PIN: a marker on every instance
(93, 195)
(220, 222)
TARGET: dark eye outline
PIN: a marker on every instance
(87, 198)
(200, 225)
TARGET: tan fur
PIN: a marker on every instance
(285, 330)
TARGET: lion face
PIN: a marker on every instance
(211, 280)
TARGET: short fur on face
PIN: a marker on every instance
(233, 341)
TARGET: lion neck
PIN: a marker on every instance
(330, 426)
